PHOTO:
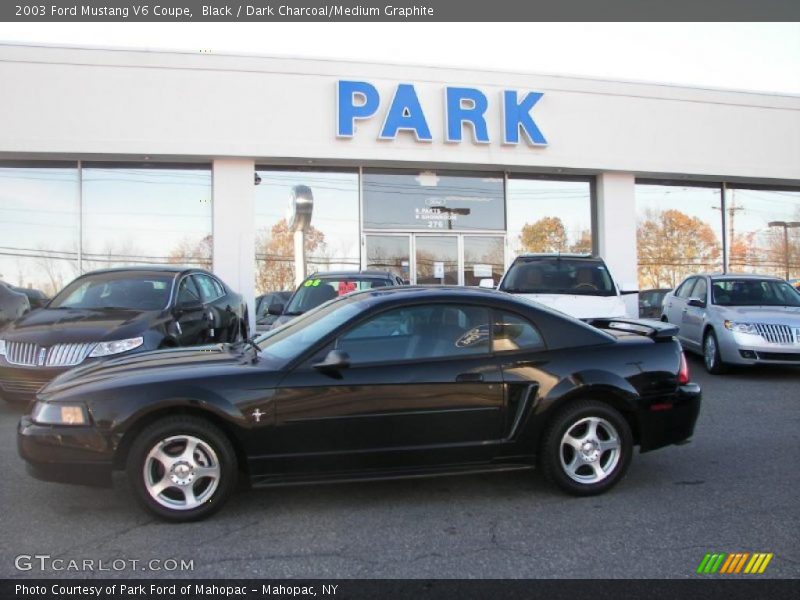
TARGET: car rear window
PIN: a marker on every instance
(558, 275)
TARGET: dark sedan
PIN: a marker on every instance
(265, 320)
(651, 301)
(321, 287)
(117, 311)
(397, 382)
(36, 298)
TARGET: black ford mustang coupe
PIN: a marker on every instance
(115, 312)
(394, 382)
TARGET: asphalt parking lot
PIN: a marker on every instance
(734, 488)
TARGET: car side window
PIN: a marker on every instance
(700, 289)
(218, 287)
(206, 285)
(685, 288)
(511, 332)
(187, 291)
(418, 332)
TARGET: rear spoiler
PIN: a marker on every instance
(656, 330)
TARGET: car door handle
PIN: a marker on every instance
(469, 377)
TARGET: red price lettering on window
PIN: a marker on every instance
(345, 287)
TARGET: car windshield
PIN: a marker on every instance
(314, 291)
(283, 344)
(558, 275)
(131, 291)
(753, 292)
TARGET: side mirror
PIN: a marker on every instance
(275, 309)
(188, 306)
(629, 287)
(336, 360)
(696, 302)
(487, 283)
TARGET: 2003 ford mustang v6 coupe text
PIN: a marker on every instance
(396, 382)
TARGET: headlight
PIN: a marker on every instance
(46, 413)
(116, 347)
(2, 347)
(741, 327)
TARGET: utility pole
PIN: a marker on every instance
(729, 217)
(786, 227)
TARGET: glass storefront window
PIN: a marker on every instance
(437, 260)
(389, 253)
(332, 243)
(678, 232)
(483, 259)
(549, 215)
(39, 226)
(134, 215)
(433, 201)
(763, 231)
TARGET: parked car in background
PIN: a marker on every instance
(13, 304)
(736, 319)
(578, 285)
(321, 287)
(384, 383)
(36, 298)
(264, 320)
(650, 302)
(112, 312)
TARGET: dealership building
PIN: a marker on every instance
(118, 157)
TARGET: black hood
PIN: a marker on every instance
(48, 326)
(151, 367)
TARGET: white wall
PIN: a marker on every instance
(78, 102)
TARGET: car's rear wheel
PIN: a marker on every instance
(711, 356)
(182, 468)
(587, 448)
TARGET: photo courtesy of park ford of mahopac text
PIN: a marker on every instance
(432, 300)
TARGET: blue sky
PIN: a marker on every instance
(748, 56)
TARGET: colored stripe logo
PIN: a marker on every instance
(735, 563)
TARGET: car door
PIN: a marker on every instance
(221, 315)
(191, 321)
(676, 302)
(422, 388)
(691, 324)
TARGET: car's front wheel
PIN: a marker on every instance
(183, 468)
(587, 448)
(711, 356)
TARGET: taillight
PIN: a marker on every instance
(683, 373)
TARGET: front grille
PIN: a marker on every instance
(60, 355)
(776, 334)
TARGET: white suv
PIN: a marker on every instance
(578, 285)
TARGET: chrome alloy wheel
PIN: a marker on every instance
(590, 450)
(710, 352)
(181, 472)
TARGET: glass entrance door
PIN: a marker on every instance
(436, 259)
(446, 259)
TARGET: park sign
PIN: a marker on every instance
(464, 107)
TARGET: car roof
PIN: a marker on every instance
(174, 269)
(558, 255)
(434, 293)
(345, 274)
(723, 276)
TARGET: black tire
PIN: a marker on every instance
(553, 455)
(711, 356)
(214, 449)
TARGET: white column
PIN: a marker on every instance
(234, 227)
(616, 230)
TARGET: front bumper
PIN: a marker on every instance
(79, 455)
(746, 349)
(671, 419)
